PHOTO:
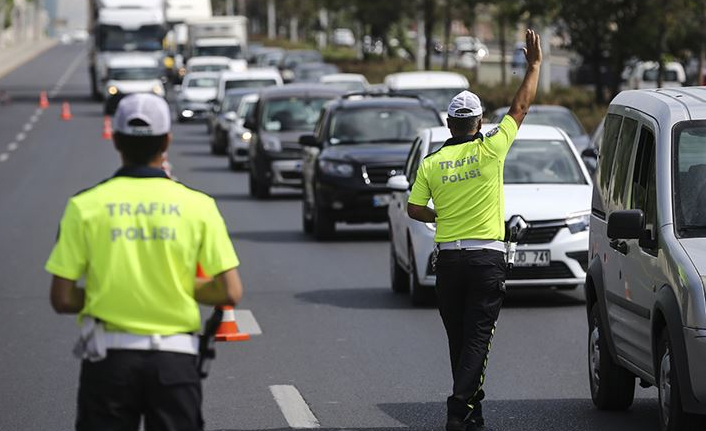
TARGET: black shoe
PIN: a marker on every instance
(455, 424)
(476, 424)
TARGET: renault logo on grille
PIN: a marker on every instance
(392, 173)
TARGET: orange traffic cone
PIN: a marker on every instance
(66, 112)
(107, 128)
(43, 100)
(228, 329)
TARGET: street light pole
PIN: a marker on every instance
(271, 20)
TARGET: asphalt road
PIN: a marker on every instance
(332, 331)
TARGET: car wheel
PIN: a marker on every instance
(671, 415)
(232, 165)
(324, 226)
(398, 276)
(252, 183)
(307, 221)
(421, 295)
(612, 386)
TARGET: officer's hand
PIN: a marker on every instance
(533, 50)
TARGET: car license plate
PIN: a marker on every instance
(297, 167)
(532, 258)
(381, 200)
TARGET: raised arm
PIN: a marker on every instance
(528, 89)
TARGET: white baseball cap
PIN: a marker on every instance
(464, 105)
(152, 110)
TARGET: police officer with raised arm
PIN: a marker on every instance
(137, 239)
(464, 178)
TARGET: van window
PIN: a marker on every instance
(619, 177)
(690, 178)
(644, 184)
(413, 154)
(607, 151)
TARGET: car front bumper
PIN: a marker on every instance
(362, 204)
(695, 340)
(192, 110)
(568, 252)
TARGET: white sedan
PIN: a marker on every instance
(545, 183)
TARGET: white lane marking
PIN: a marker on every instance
(20, 137)
(38, 111)
(67, 74)
(4, 156)
(295, 410)
(247, 323)
(34, 118)
(12, 146)
(28, 127)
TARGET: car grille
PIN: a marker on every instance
(379, 175)
(541, 232)
(290, 175)
(555, 270)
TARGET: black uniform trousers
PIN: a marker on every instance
(163, 387)
(470, 287)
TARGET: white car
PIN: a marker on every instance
(643, 75)
(439, 87)
(251, 78)
(215, 64)
(545, 183)
(346, 81)
(131, 73)
(197, 90)
(238, 136)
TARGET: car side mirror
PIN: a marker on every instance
(231, 116)
(589, 153)
(250, 123)
(626, 224)
(309, 141)
(398, 183)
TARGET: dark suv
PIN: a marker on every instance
(361, 140)
(282, 115)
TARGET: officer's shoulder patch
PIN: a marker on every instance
(492, 132)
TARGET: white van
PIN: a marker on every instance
(251, 78)
(643, 75)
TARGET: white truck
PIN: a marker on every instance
(225, 36)
(178, 13)
(120, 26)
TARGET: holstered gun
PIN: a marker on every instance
(207, 342)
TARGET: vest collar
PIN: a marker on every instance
(140, 172)
(463, 139)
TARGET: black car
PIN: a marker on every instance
(292, 59)
(360, 142)
(222, 116)
(281, 116)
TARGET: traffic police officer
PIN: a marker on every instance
(464, 178)
(137, 239)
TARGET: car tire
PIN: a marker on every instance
(671, 414)
(232, 165)
(307, 220)
(399, 279)
(252, 183)
(612, 386)
(421, 295)
(324, 226)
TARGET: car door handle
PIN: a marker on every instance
(619, 245)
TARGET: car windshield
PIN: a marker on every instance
(292, 59)
(542, 162)
(209, 67)
(203, 83)
(231, 51)
(294, 113)
(383, 124)
(250, 83)
(313, 73)
(115, 38)
(667, 75)
(133, 73)
(231, 102)
(246, 108)
(441, 97)
(690, 178)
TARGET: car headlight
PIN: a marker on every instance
(112, 90)
(578, 222)
(272, 144)
(482, 53)
(158, 90)
(337, 169)
(246, 136)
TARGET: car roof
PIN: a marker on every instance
(344, 77)
(666, 105)
(405, 80)
(535, 108)
(356, 102)
(197, 75)
(526, 132)
(208, 59)
(252, 73)
(308, 89)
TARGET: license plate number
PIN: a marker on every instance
(381, 200)
(532, 258)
